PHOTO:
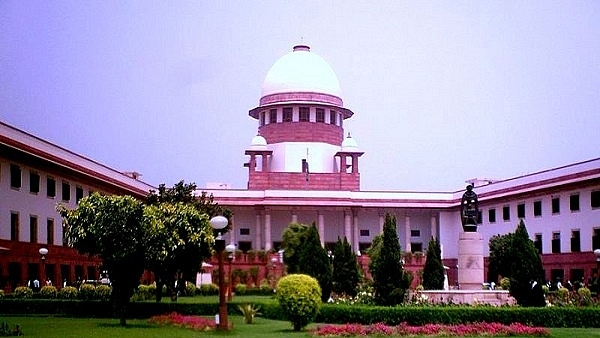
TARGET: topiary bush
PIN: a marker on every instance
(585, 296)
(68, 292)
(152, 289)
(49, 292)
(87, 292)
(1, 294)
(102, 292)
(190, 289)
(505, 283)
(22, 292)
(300, 298)
(240, 289)
(265, 288)
(209, 289)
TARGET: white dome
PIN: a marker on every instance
(301, 71)
(258, 143)
(349, 145)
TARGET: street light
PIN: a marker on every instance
(230, 252)
(219, 223)
(43, 252)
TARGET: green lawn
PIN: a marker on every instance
(49, 327)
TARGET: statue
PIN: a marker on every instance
(469, 210)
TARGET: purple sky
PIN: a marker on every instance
(442, 91)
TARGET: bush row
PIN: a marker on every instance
(85, 292)
(545, 316)
(329, 313)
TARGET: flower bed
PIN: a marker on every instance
(463, 330)
(190, 322)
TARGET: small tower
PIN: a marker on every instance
(300, 129)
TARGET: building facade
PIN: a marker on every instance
(36, 176)
(302, 169)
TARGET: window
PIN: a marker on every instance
(596, 239)
(320, 115)
(287, 114)
(574, 202)
(521, 210)
(14, 226)
(506, 213)
(556, 205)
(415, 233)
(332, 117)
(537, 208)
(262, 118)
(304, 114)
(244, 231)
(50, 231)
(556, 242)
(33, 229)
(365, 233)
(479, 217)
(492, 215)
(66, 191)
(595, 199)
(15, 176)
(34, 182)
(575, 241)
(416, 247)
(538, 243)
(78, 194)
(50, 187)
(273, 116)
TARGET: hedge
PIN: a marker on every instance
(329, 313)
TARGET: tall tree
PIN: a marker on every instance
(294, 237)
(514, 256)
(110, 227)
(346, 274)
(386, 267)
(314, 261)
(433, 271)
(181, 235)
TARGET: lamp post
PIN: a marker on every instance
(43, 252)
(230, 252)
(219, 223)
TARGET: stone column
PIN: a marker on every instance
(470, 261)
(407, 246)
(356, 232)
(294, 216)
(348, 225)
(433, 224)
(321, 222)
(258, 231)
(381, 222)
(232, 231)
(268, 242)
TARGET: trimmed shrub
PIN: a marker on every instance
(190, 289)
(505, 283)
(143, 292)
(585, 296)
(87, 292)
(22, 292)
(68, 292)
(1, 294)
(102, 292)
(209, 289)
(49, 292)
(300, 298)
(152, 289)
(265, 288)
(240, 289)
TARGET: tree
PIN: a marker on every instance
(433, 271)
(514, 256)
(293, 240)
(181, 236)
(110, 227)
(300, 298)
(177, 240)
(346, 274)
(386, 267)
(314, 261)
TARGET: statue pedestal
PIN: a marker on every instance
(470, 261)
